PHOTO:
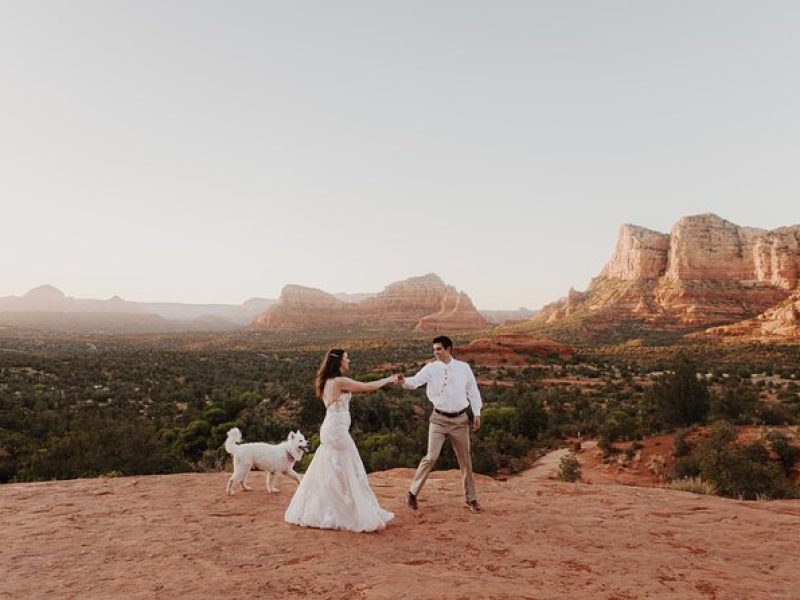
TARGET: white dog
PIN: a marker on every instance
(272, 458)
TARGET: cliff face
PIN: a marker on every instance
(706, 271)
(406, 302)
(711, 249)
(640, 254)
(424, 303)
(456, 312)
(707, 248)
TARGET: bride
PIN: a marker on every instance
(335, 492)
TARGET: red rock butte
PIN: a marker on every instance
(420, 303)
(707, 271)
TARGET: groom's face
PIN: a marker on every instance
(441, 353)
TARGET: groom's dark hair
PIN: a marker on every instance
(445, 341)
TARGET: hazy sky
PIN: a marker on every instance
(213, 151)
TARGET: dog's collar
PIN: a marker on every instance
(290, 456)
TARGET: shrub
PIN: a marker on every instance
(617, 425)
(569, 468)
(781, 446)
(738, 471)
(606, 446)
(775, 414)
(736, 403)
(500, 418)
(682, 445)
(696, 485)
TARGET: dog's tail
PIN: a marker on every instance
(234, 437)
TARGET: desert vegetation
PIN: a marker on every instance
(82, 407)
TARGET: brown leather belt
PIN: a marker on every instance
(451, 415)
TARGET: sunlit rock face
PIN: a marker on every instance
(406, 302)
(706, 271)
(303, 308)
(709, 248)
(640, 254)
(456, 313)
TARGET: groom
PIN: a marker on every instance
(452, 389)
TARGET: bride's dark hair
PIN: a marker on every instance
(331, 366)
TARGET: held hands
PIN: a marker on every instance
(399, 379)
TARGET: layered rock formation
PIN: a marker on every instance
(707, 271)
(424, 303)
(406, 302)
(640, 254)
(306, 308)
(782, 321)
(456, 312)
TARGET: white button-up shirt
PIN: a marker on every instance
(451, 387)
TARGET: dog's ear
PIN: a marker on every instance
(291, 435)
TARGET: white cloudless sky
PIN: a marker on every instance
(197, 151)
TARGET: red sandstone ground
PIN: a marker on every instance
(179, 536)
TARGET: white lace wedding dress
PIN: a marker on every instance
(335, 492)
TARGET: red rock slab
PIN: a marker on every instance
(180, 536)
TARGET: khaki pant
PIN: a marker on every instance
(457, 429)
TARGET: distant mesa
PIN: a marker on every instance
(706, 272)
(300, 307)
(423, 303)
(502, 317)
(45, 293)
(43, 297)
(46, 307)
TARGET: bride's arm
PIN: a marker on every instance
(345, 384)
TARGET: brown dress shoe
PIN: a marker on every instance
(411, 501)
(474, 506)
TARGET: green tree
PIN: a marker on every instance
(678, 398)
(531, 418)
(735, 403)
